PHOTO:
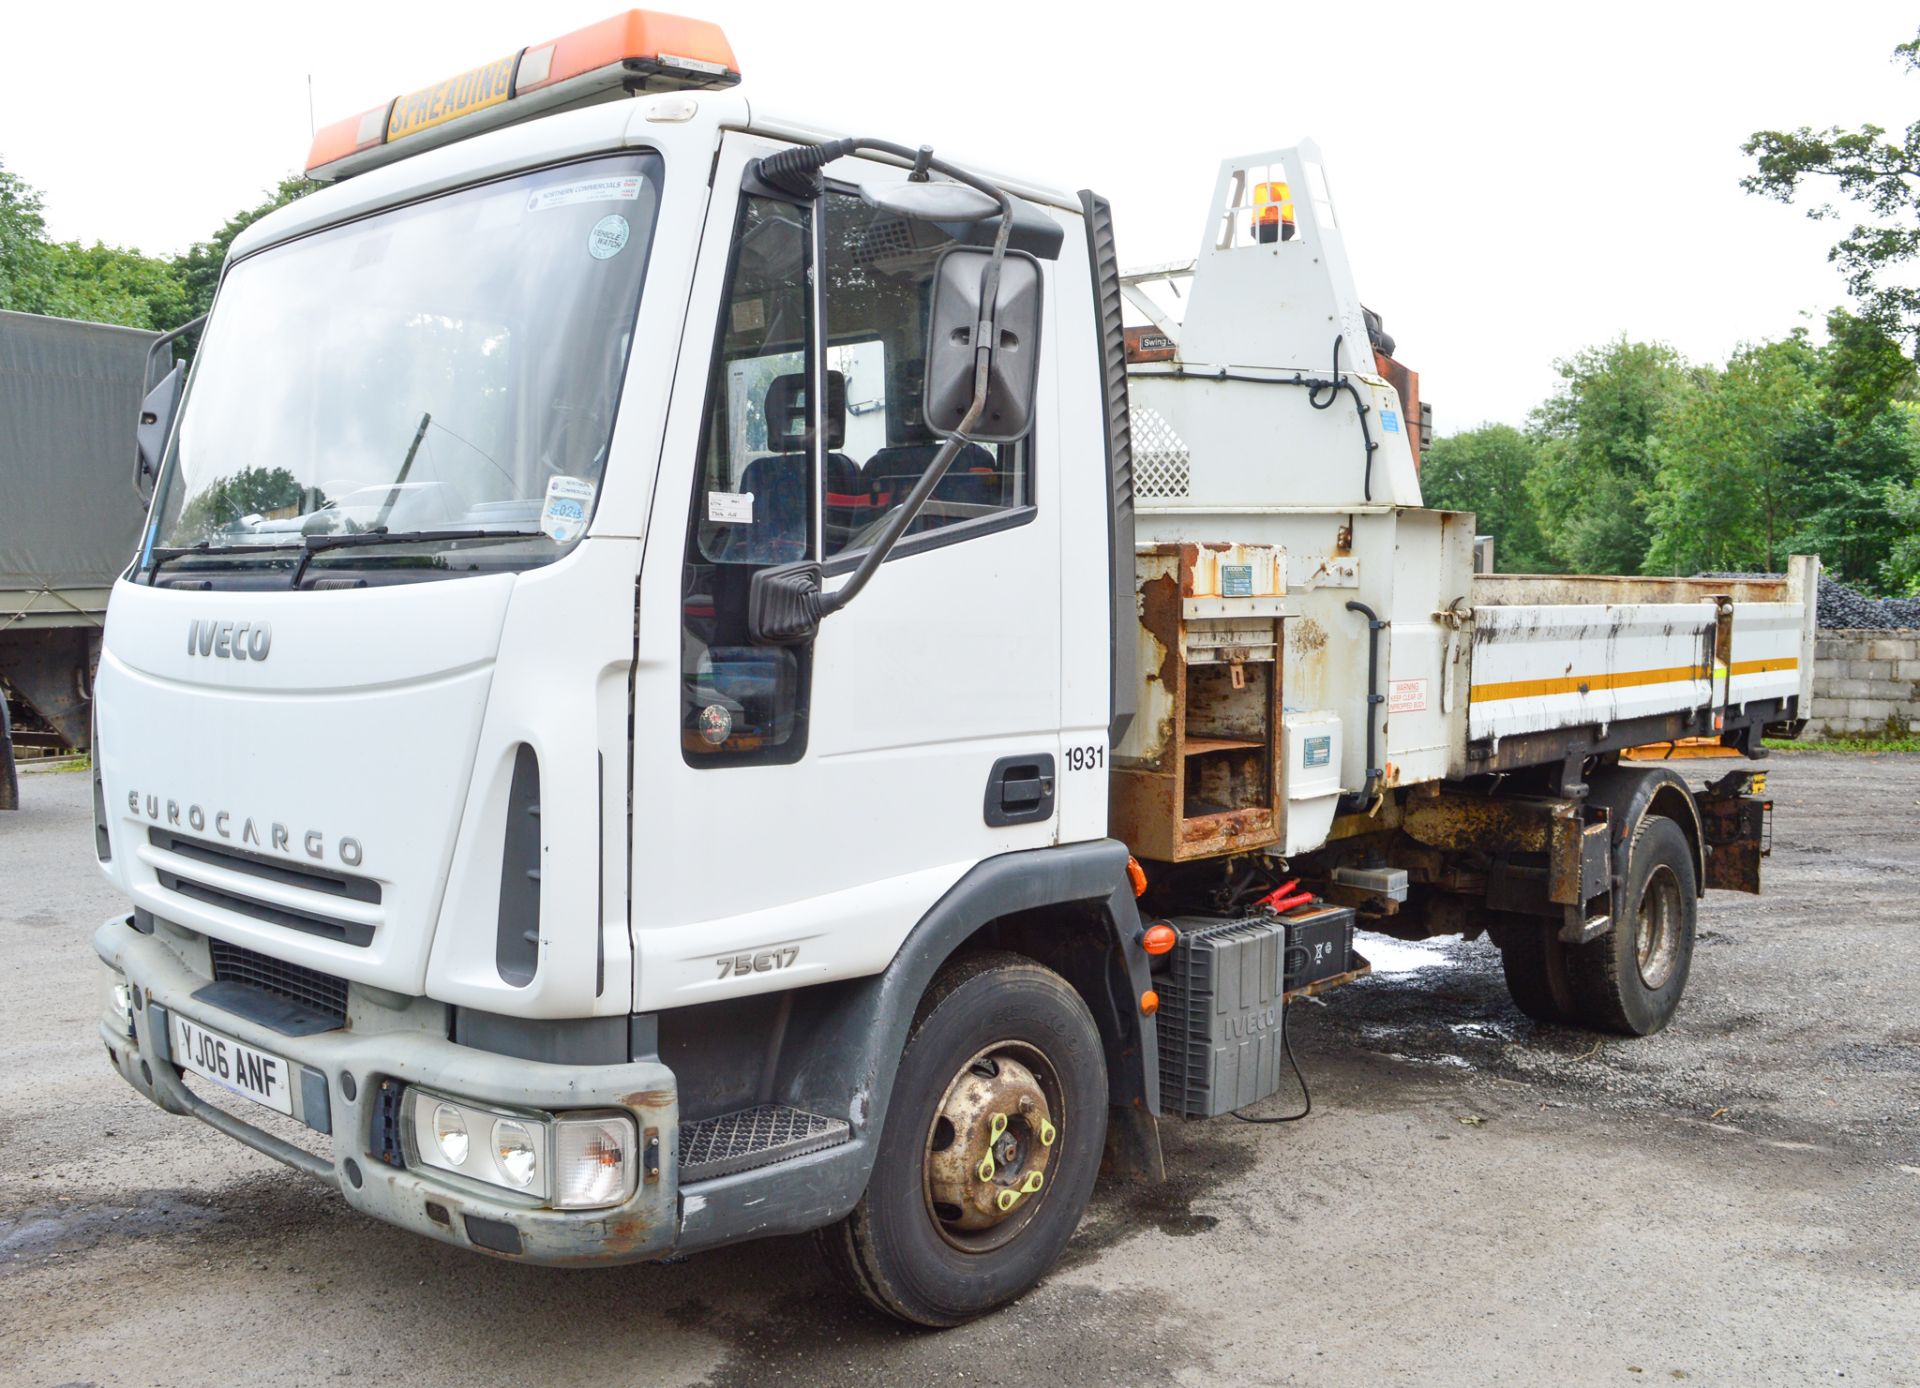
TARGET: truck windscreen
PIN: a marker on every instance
(441, 370)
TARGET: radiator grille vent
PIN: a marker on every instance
(322, 993)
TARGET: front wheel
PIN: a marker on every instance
(990, 1147)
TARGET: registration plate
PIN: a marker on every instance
(253, 1074)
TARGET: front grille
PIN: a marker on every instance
(311, 989)
(334, 884)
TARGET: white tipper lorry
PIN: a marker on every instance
(689, 678)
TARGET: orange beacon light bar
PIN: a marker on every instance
(639, 51)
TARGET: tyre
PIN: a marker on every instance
(989, 1150)
(1535, 965)
(1630, 979)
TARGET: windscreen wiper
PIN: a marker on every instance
(380, 535)
(161, 554)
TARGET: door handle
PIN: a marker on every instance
(1020, 790)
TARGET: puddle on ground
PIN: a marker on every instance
(1390, 956)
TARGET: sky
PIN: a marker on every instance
(1516, 182)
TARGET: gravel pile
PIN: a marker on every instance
(1842, 609)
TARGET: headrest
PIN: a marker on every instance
(787, 411)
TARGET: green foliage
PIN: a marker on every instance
(110, 284)
(1642, 463)
(1724, 485)
(1890, 742)
(106, 284)
(1485, 470)
(1900, 571)
(23, 234)
(1597, 435)
(1879, 176)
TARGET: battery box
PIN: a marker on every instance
(1221, 997)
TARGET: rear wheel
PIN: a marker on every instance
(1631, 978)
(991, 1144)
(1535, 965)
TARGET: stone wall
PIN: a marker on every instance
(1865, 682)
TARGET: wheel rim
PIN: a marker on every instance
(990, 1146)
(1656, 936)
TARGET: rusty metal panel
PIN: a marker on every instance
(1736, 834)
(1508, 824)
(1198, 773)
(1548, 590)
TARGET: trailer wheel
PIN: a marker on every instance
(1631, 978)
(990, 1147)
(1536, 969)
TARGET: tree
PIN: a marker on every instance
(22, 234)
(1724, 491)
(1485, 470)
(1881, 176)
(1597, 436)
(199, 268)
(1900, 571)
(108, 284)
(98, 283)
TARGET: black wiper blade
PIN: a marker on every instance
(383, 536)
(161, 554)
(316, 544)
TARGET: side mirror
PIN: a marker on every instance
(1013, 365)
(156, 422)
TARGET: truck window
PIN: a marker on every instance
(754, 502)
(879, 282)
(429, 369)
(784, 477)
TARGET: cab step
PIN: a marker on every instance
(751, 1137)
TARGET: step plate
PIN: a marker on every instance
(753, 1137)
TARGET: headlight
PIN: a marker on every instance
(572, 1161)
(514, 1152)
(450, 1133)
(120, 1006)
(593, 1161)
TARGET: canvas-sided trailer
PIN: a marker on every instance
(70, 395)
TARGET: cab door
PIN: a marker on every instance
(798, 809)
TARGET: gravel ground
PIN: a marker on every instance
(1476, 1199)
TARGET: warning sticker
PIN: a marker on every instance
(564, 516)
(592, 190)
(1407, 696)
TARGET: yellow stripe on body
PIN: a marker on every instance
(1581, 684)
(1767, 666)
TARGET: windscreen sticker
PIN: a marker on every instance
(608, 237)
(569, 499)
(593, 190)
(730, 508)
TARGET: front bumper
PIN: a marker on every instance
(338, 1094)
